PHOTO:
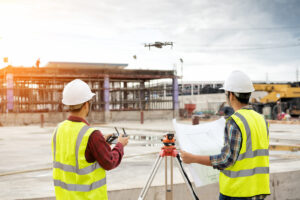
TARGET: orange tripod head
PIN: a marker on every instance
(168, 139)
(169, 148)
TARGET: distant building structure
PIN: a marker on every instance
(39, 90)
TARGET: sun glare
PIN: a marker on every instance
(17, 35)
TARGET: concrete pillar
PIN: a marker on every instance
(9, 92)
(99, 96)
(165, 90)
(125, 96)
(106, 98)
(142, 100)
(175, 97)
(142, 95)
(113, 95)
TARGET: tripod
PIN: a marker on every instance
(168, 150)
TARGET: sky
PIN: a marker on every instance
(259, 37)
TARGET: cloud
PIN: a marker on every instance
(213, 37)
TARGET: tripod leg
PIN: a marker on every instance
(186, 180)
(166, 177)
(171, 173)
(169, 188)
(171, 184)
(150, 178)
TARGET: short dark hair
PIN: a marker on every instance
(242, 97)
(76, 108)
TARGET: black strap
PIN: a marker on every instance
(187, 178)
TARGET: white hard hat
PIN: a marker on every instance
(76, 92)
(238, 82)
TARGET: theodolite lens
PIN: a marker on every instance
(170, 136)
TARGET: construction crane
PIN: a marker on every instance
(280, 98)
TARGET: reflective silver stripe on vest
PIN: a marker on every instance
(248, 132)
(79, 187)
(78, 142)
(247, 172)
(70, 168)
(249, 153)
(252, 154)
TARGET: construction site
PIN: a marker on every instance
(149, 100)
(144, 102)
(38, 92)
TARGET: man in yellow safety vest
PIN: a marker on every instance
(244, 159)
(81, 154)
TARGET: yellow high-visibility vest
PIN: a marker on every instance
(249, 175)
(74, 177)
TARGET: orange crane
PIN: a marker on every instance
(280, 98)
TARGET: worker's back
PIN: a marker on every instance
(74, 177)
(249, 175)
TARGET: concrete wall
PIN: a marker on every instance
(96, 117)
(181, 192)
(205, 102)
(31, 118)
(284, 186)
(136, 115)
(9, 119)
(210, 102)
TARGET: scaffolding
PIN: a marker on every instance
(25, 89)
(140, 95)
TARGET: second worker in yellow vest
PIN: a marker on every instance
(80, 152)
(244, 159)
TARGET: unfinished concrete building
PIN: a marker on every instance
(131, 94)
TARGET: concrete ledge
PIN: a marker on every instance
(158, 193)
(284, 186)
(21, 119)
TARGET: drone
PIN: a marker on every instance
(159, 44)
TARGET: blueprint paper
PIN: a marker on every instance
(202, 139)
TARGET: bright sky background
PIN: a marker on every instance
(259, 37)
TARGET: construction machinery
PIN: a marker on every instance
(280, 98)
